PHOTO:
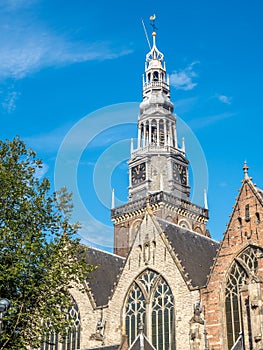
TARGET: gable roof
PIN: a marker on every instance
(194, 252)
(102, 280)
(141, 343)
(260, 192)
(105, 347)
(255, 190)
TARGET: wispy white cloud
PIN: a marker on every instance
(13, 5)
(9, 100)
(27, 44)
(225, 99)
(52, 140)
(95, 233)
(183, 79)
(25, 53)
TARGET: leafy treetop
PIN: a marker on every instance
(40, 257)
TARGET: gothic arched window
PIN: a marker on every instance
(245, 265)
(151, 302)
(72, 339)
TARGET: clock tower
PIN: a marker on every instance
(158, 167)
(158, 164)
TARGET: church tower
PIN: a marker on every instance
(158, 167)
(158, 164)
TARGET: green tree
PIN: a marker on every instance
(40, 257)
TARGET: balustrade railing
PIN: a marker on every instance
(155, 198)
(155, 84)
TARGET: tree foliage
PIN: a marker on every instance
(40, 257)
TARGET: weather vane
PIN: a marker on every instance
(152, 19)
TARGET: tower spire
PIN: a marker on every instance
(245, 169)
(157, 134)
(158, 167)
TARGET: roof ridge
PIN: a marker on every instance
(106, 252)
(188, 229)
(103, 346)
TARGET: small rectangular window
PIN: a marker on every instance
(247, 215)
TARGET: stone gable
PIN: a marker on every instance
(151, 250)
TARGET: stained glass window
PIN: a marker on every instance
(72, 339)
(244, 265)
(151, 302)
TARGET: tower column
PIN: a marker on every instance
(165, 132)
(147, 133)
(175, 136)
(158, 133)
(144, 134)
(171, 143)
(139, 136)
(150, 133)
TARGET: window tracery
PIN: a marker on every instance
(150, 301)
(244, 266)
(72, 339)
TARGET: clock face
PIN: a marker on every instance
(180, 173)
(138, 173)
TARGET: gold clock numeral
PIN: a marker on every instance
(179, 173)
(138, 173)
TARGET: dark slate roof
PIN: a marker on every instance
(101, 281)
(260, 192)
(109, 347)
(195, 252)
(139, 343)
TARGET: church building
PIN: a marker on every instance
(169, 285)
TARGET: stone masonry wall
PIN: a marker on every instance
(89, 318)
(161, 261)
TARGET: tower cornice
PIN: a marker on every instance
(156, 201)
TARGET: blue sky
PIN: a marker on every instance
(70, 69)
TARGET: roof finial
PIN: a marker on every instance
(152, 19)
(132, 146)
(183, 145)
(112, 199)
(154, 53)
(245, 169)
(205, 199)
